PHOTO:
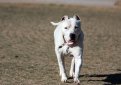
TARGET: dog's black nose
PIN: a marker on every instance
(72, 36)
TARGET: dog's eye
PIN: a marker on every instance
(66, 28)
(76, 27)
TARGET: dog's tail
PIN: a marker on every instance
(55, 24)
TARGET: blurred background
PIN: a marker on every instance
(27, 55)
(77, 2)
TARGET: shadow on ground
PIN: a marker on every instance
(111, 79)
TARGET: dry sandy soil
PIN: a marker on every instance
(27, 49)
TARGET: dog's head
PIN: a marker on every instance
(70, 28)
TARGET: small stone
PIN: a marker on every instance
(16, 56)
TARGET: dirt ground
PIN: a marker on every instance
(27, 54)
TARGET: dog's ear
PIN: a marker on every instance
(76, 17)
(64, 18)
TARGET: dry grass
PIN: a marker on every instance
(27, 51)
(118, 3)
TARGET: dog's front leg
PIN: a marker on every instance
(61, 66)
(78, 62)
(72, 68)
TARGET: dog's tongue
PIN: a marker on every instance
(70, 42)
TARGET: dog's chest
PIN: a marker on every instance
(65, 50)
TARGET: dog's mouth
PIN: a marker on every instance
(71, 42)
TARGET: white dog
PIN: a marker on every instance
(68, 38)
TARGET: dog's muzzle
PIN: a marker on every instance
(72, 36)
(72, 40)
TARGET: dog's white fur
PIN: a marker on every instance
(64, 45)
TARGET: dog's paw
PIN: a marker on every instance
(71, 74)
(76, 80)
(64, 79)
